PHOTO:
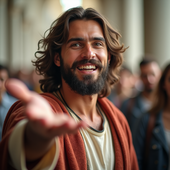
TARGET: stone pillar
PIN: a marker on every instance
(157, 29)
(16, 39)
(3, 32)
(133, 32)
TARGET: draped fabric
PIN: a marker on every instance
(72, 150)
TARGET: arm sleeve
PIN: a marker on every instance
(16, 150)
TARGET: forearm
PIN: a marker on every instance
(17, 150)
(35, 146)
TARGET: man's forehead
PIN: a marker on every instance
(150, 67)
(79, 27)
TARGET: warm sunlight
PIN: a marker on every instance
(66, 4)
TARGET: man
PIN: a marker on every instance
(5, 99)
(124, 88)
(134, 107)
(77, 128)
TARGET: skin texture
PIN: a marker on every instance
(43, 125)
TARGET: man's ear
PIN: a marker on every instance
(57, 59)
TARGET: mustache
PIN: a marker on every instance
(85, 61)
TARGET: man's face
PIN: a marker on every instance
(84, 57)
(150, 74)
(3, 78)
(126, 80)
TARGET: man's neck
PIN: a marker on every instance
(81, 105)
(84, 106)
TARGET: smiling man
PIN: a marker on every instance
(71, 125)
(84, 65)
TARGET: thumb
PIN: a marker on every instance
(18, 89)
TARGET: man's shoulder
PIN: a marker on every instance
(110, 109)
(56, 104)
(115, 117)
(105, 102)
(48, 96)
(51, 98)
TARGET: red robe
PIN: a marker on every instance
(72, 151)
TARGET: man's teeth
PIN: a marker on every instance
(89, 67)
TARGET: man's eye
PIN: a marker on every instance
(98, 44)
(75, 45)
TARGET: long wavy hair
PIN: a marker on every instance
(160, 95)
(57, 35)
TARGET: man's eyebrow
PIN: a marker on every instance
(75, 39)
(98, 38)
(82, 39)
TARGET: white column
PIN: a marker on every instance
(16, 39)
(3, 32)
(157, 29)
(133, 32)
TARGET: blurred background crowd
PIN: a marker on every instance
(144, 26)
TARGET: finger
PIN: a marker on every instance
(68, 127)
(39, 108)
(62, 125)
(72, 125)
(56, 121)
(61, 121)
(18, 89)
(72, 128)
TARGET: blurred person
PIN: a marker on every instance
(134, 107)
(152, 135)
(24, 75)
(124, 89)
(34, 81)
(72, 125)
(6, 100)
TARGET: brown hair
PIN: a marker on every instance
(160, 99)
(146, 60)
(58, 34)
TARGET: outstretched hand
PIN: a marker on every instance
(43, 123)
(39, 112)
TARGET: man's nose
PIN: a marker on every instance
(150, 79)
(88, 52)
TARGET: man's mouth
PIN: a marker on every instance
(87, 67)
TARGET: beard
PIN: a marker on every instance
(87, 86)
